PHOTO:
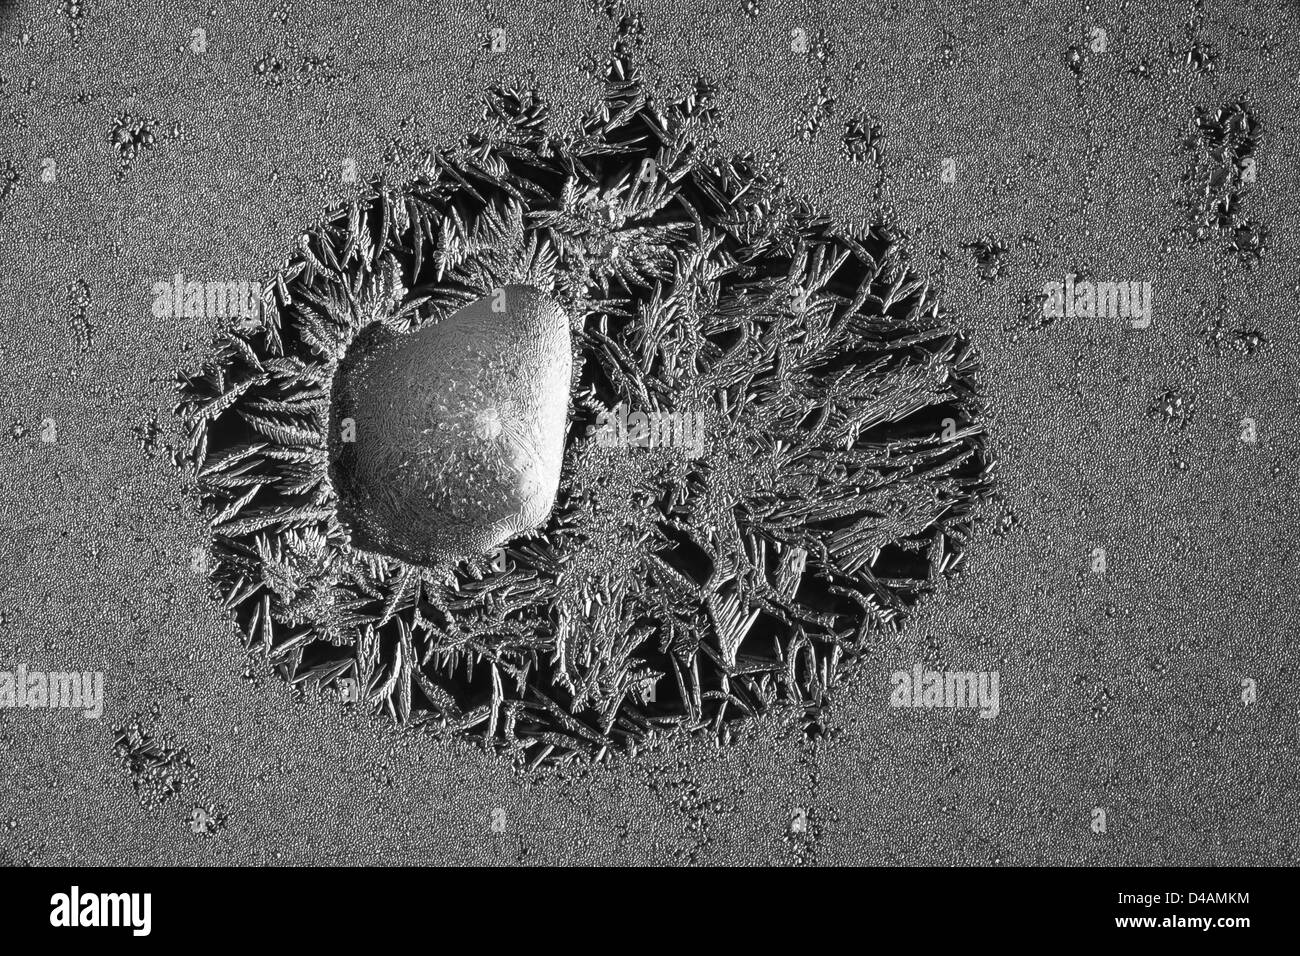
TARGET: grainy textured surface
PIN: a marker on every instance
(1119, 690)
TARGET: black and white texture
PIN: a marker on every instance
(358, 449)
(1000, 150)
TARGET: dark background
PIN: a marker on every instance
(1120, 691)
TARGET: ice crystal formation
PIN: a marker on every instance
(672, 586)
(1223, 145)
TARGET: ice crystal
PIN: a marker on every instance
(671, 588)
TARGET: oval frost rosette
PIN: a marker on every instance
(717, 446)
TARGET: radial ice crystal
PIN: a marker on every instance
(714, 445)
